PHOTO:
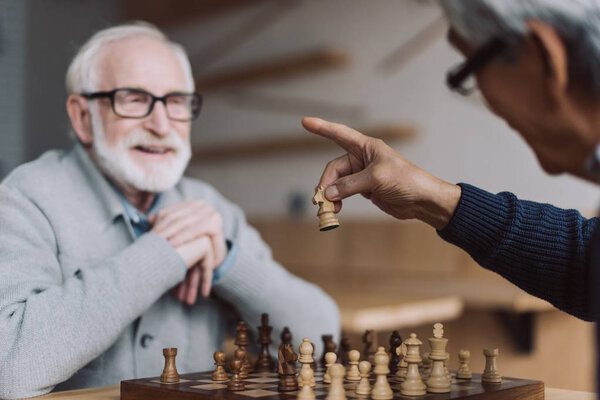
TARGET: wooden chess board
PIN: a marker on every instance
(263, 386)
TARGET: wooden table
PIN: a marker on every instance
(417, 301)
(112, 393)
(382, 311)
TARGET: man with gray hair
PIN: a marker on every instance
(537, 64)
(92, 240)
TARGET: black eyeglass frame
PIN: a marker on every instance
(111, 95)
(456, 77)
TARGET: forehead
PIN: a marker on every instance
(140, 62)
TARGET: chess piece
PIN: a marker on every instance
(364, 386)
(330, 359)
(381, 388)
(169, 374)
(306, 358)
(264, 362)
(219, 374)
(463, 371)
(395, 342)
(344, 350)
(241, 355)
(336, 389)
(426, 367)
(327, 219)
(370, 344)
(328, 347)
(286, 336)
(242, 341)
(353, 373)
(491, 374)
(306, 393)
(236, 383)
(402, 365)
(438, 379)
(286, 366)
(413, 384)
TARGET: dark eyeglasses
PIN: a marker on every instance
(457, 77)
(138, 103)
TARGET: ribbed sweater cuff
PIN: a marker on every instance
(479, 222)
(149, 268)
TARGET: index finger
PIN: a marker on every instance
(335, 169)
(207, 277)
(345, 137)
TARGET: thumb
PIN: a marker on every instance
(349, 185)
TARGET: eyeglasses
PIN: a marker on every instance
(460, 78)
(138, 103)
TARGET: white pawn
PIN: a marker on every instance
(463, 368)
(336, 389)
(426, 367)
(491, 374)
(413, 384)
(353, 373)
(381, 389)
(330, 359)
(306, 393)
(364, 386)
(306, 350)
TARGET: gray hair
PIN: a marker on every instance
(81, 74)
(576, 21)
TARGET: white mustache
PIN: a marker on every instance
(141, 137)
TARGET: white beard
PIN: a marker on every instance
(115, 161)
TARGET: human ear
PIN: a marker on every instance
(81, 120)
(555, 56)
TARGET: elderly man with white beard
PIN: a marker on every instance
(93, 239)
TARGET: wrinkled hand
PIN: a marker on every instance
(195, 230)
(375, 170)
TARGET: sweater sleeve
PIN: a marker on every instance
(542, 249)
(52, 325)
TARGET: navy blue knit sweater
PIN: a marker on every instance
(542, 249)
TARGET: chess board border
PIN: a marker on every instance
(151, 389)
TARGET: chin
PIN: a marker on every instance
(551, 168)
(154, 177)
(148, 176)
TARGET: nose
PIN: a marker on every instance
(158, 122)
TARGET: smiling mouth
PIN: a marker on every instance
(153, 150)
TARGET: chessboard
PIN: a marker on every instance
(264, 385)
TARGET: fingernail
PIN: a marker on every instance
(332, 192)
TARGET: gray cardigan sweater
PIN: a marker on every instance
(73, 279)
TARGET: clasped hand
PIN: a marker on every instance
(195, 230)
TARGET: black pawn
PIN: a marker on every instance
(345, 347)
(286, 336)
(328, 347)
(236, 383)
(395, 342)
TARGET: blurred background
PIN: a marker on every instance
(378, 66)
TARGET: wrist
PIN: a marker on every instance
(439, 204)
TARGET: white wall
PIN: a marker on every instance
(12, 82)
(37, 41)
(458, 139)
